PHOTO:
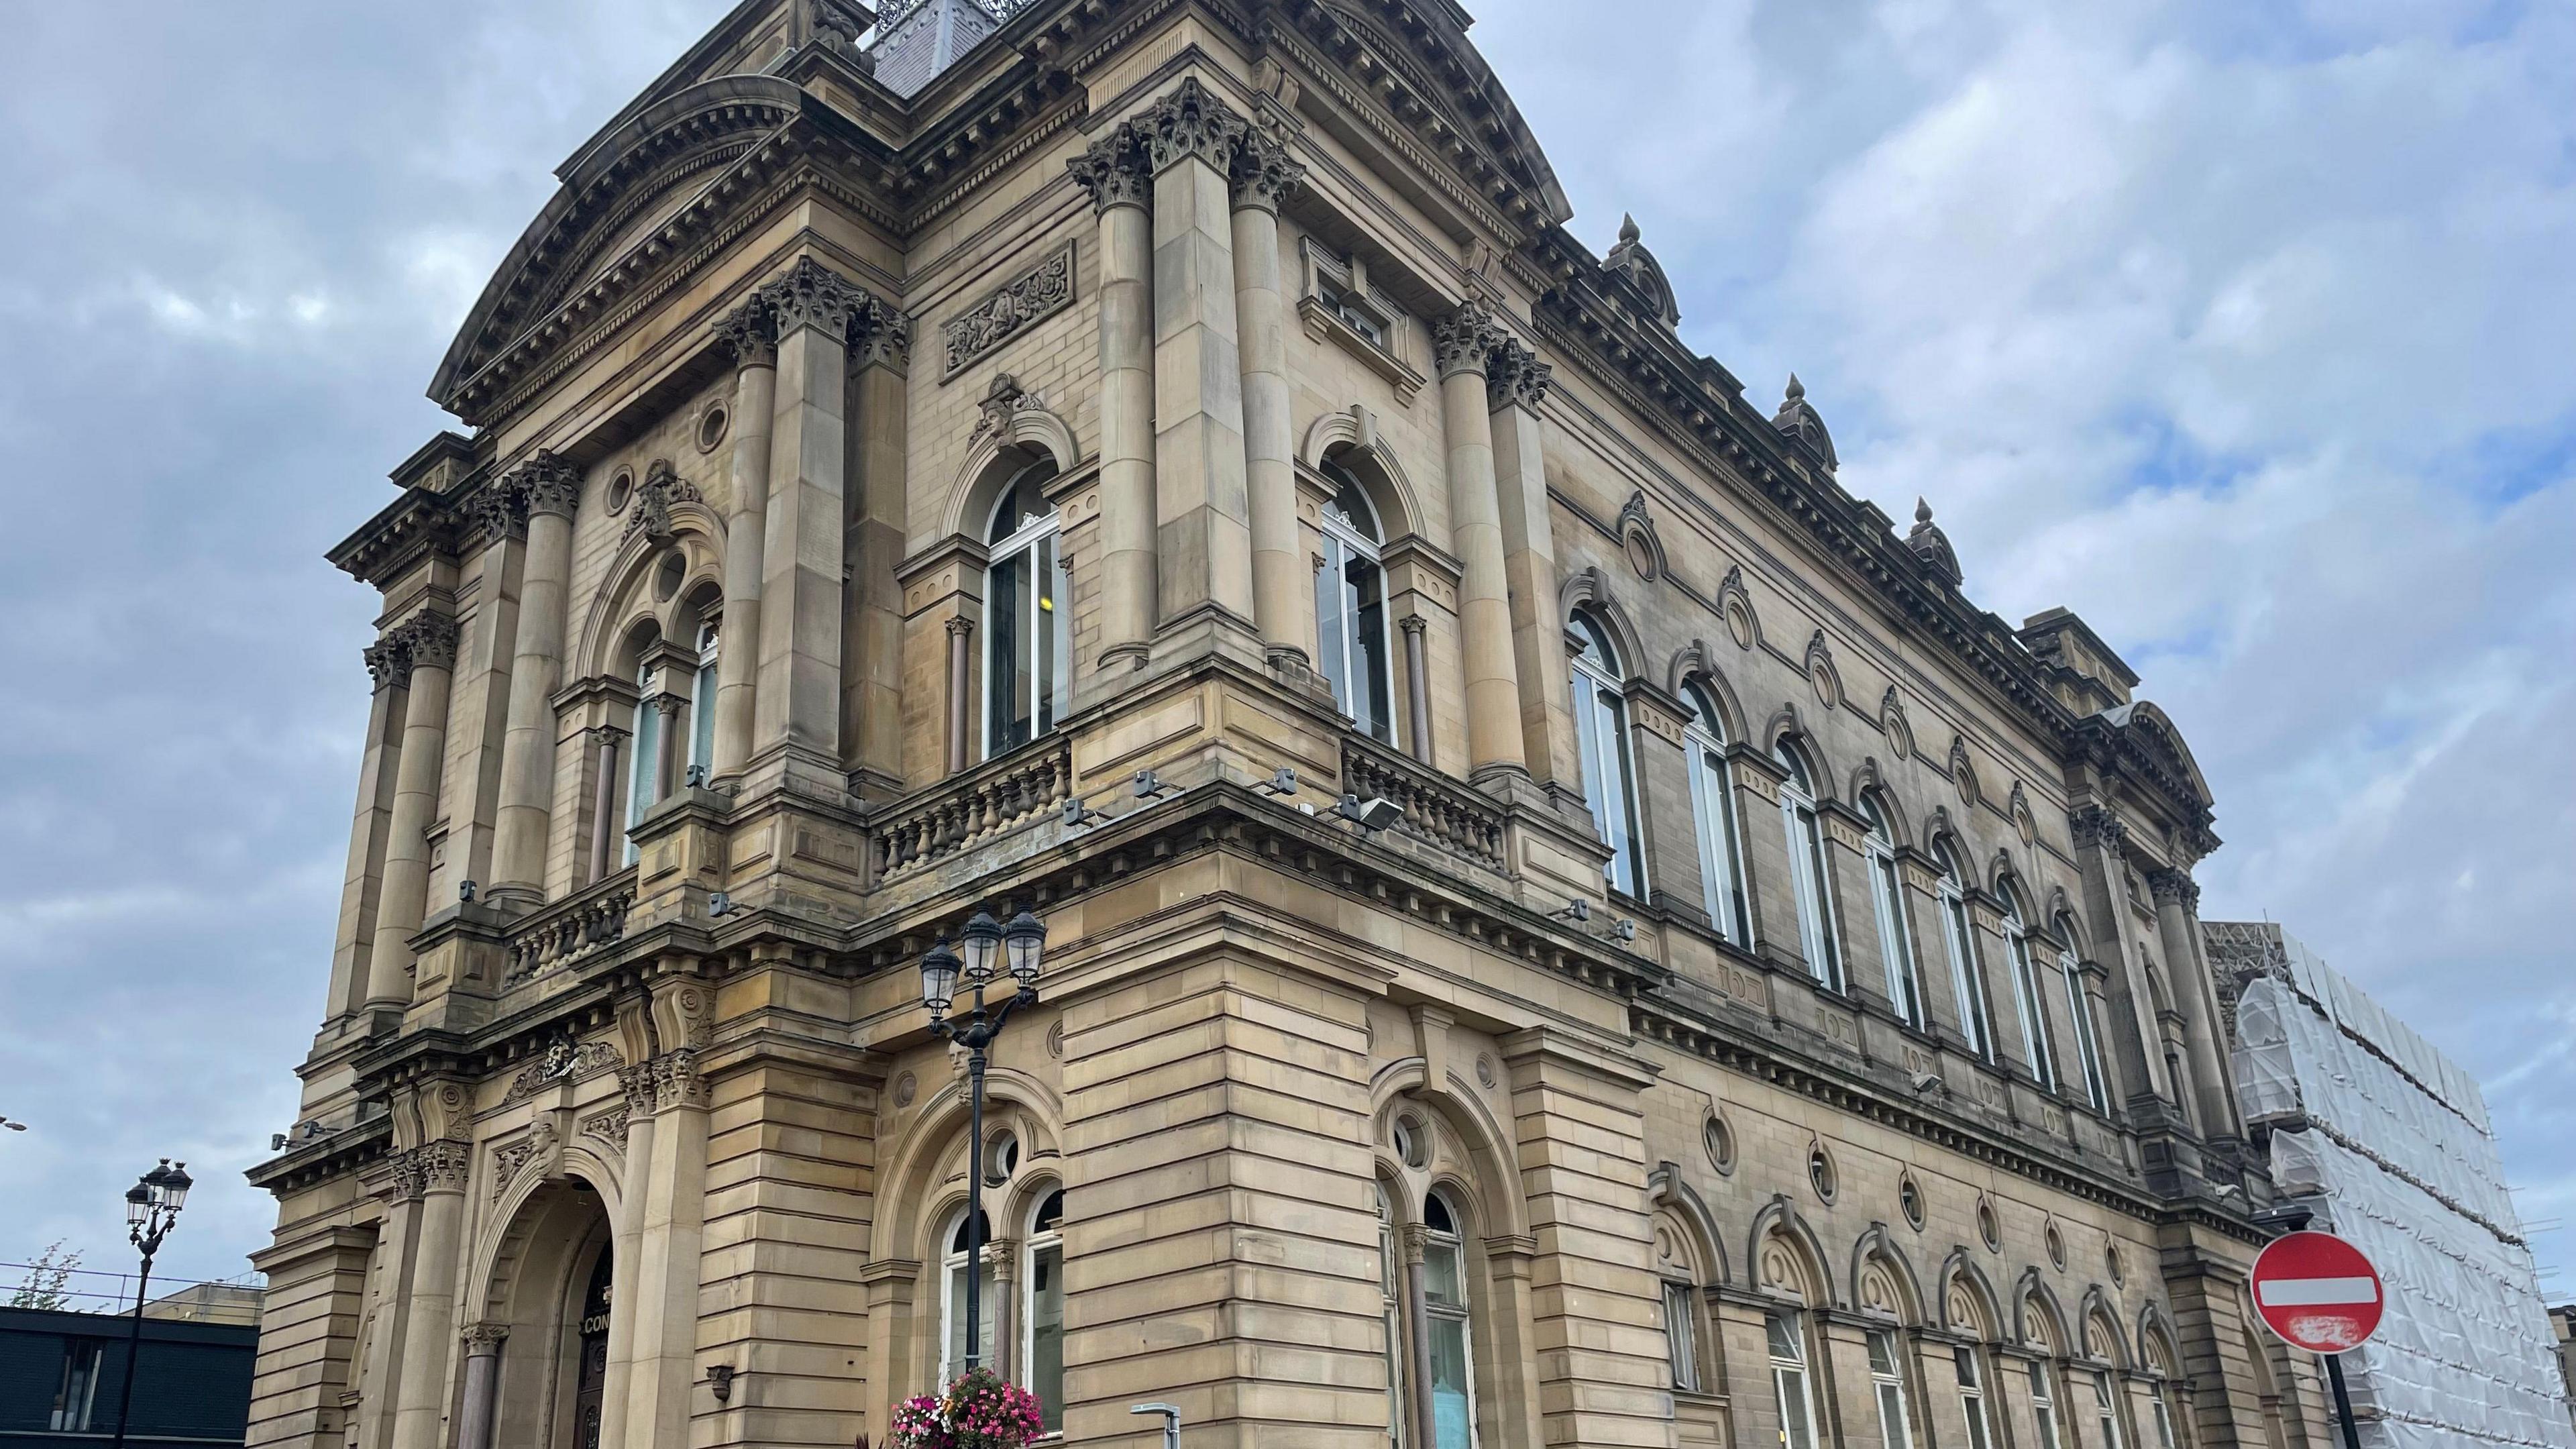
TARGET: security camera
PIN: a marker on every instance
(1149, 786)
(719, 903)
(1626, 931)
(1078, 815)
(1373, 814)
(277, 1142)
(1577, 910)
(1926, 1081)
(1284, 782)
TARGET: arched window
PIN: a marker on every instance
(1601, 729)
(2043, 1404)
(1969, 1363)
(2036, 1044)
(702, 701)
(1042, 1311)
(1444, 1296)
(2106, 1410)
(2173, 1426)
(2088, 1042)
(1390, 1258)
(1811, 878)
(1790, 1380)
(1354, 649)
(1887, 1384)
(952, 1334)
(1887, 898)
(1721, 858)
(643, 775)
(1967, 973)
(1028, 623)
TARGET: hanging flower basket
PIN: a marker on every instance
(979, 1411)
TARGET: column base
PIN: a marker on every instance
(1209, 629)
(514, 900)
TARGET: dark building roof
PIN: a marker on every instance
(194, 1387)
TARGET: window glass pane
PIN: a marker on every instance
(1333, 610)
(1784, 1339)
(1966, 1359)
(702, 719)
(1440, 1273)
(1820, 878)
(1008, 655)
(1904, 990)
(1977, 1432)
(2164, 1423)
(642, 790)
(1046, 1334)
(1795, 1429)
(1882, 1354)
(1368, 647)
(1055, 637)
(1449, 1392)
(2088, 1046)
(953, 1361)
(1681, 1336)
(1891, 1415)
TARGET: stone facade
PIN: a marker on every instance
(1580, 1093)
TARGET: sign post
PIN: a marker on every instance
(2320, 1293)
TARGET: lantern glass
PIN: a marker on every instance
(983, 942)
(939, 977)
(138, 1204)
(174, 1187)
(1026, 942)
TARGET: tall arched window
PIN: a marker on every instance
(1887, 1384)
(1601, 729)
(1028, 624)
(1811, 877)
(1721, 857)
(1887, 898)
(1969, 1364)
(1790, 1380)
(2172, 1424)
(1042, 1311)
(2106, 1410)
(1390, 1259)
(2088, 1042)
(702, 700)
(1354, 648)
(2043, 1404)
(1444, 1295)
(2036, 1044)
(1967, 973)
(952, 1333)
(643, 773)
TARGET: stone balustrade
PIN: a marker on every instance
(570, 929)
(1437, 810)
(994, 797)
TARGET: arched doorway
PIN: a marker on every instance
(551, 1299)
(590, 1385)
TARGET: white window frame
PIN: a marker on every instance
(2037, 1046)
(950, 1310)
(1810, 875)
(2165, 1436)
(1034, 1241)
(2043, 1406)
(1971, 1365)
(1390, 1273)
(1024, 540)
(1681, 1335)
(1887, 1386)
(1343, 536)
(1601, 732)
(2106, 1397)
(644, 772)
(2088, 1042)
(1967, 973)
(702, 698)
(1462, 1313)
(1895, 939)
(1721, 857)
(1802, 1399)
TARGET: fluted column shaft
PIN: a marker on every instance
(427, 643)
(755, 400)
(1114, 172)
(1464, 342)
(551, 490)
(1283, 588)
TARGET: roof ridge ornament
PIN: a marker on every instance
(1929, 543)
(1631, 262)
(1799, 421)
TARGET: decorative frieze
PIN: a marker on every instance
(1009, 310)
(608, 1128)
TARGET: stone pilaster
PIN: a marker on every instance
(1115, 171)
(746, 333)
(1283, 584)
(1464, 343)
(872, 647)
(1203, 534)
(426, 648)
(362, 887)
(2177, 899)
(549, 489)
(433, 1174)
(1514, 392)
(796, 715)
(1596, 1305)
(308, 1331)
(1221, 1212)
(672, 1226)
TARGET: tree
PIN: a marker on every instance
(48, 1280)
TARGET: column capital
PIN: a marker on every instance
(1192, 123)
(482, 1340)
(437, 1166)
(749, 334)
(1465, 340)
(1516, 376)
(1263, 176)
(2096, 827)
(501, 510)
(880, 335)
(546, 483)
(959, 625)
(2175, 887)
(1113, 170)
(1415, 1241)
(427, 641)
(811, 294)
(1413, 624)
(677, 1082)
(388, 663)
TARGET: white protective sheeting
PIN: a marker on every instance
(2389, 1143)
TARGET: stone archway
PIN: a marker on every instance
(547, 1374)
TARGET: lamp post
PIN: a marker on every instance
(151, 1211)
(992, 951)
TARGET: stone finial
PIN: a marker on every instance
(1192, 122)
(1798, 421)
(1632, 263)
(1113, 170)
(1929, 543)
(1465, 340)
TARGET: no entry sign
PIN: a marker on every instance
(2318, 1292)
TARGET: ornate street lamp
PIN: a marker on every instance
(993, 952)
(151, 1211)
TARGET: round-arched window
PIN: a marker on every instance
(1354, 649)
(1721, 856)
(1028, 619)
(1601, 732)
(1809, 874)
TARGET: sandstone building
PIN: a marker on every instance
(1763, 1005)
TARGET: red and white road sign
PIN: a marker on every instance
(2318, 1292)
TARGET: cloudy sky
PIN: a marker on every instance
(2244, 330)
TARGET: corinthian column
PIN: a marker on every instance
(425, 646)
(1517, 386)
(362, 889)
(481, 1399)
(1203, 537)
(796, 717)
(1114, 172)
(745, 332)
(2177, 898)
(1463, 342)
(436, 1171)
(1283, 592)
(549, 489)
